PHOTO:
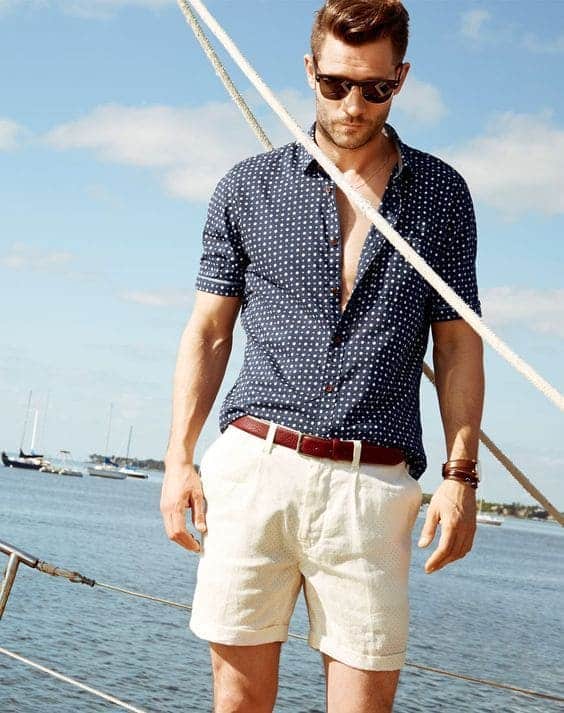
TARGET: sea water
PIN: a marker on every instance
(495, 614)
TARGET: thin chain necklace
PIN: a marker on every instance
(380, 168)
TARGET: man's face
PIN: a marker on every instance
(374, 60)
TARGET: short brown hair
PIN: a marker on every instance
(359, 21)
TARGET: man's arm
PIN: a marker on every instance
(459, 379)
(203, 354)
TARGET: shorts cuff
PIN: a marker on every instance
(240, 637)
(355, 659)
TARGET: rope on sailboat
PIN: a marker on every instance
(72, 681)
(370, 212)
(268, 145)
(77, 578)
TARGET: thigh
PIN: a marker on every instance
(356, 577)
(353, 690)
(245, 677)
(248, 577)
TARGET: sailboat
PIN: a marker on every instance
(487, 518)
(64, 469)
(109, 468)
(27, 461)
(127, 469)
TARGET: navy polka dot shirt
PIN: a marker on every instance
(272, 237)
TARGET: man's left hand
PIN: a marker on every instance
(454, 506)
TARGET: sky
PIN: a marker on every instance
(114, 130)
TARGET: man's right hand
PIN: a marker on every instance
(182, 489)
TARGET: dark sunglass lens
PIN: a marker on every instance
(378, 93)
(332, 88)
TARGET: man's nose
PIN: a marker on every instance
(354, 102)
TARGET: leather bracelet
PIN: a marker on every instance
(463, 470)
(467, 479)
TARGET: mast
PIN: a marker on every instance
(109, 430)
(128, 444)
(34, 432)
(25, 422)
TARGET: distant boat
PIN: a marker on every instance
(109, 468)
(127, 469)
(64, 469)
(27, 461)
(485, 518)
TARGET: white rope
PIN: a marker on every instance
(372, 214)
(72, 681)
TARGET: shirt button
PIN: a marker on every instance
(337, 339)
(335, 291)
(334, 242)
(328, 189)
(329, 388)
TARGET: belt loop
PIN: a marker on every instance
(357, 448)
(269, 440)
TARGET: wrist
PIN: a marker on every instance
(178, 457)
(465, 470)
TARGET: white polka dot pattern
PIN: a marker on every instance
(272, 236)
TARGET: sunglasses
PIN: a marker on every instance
(376, 91)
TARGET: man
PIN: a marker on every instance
(313, 481)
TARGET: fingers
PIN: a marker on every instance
(182, 490)
(429, 528)
(447, 543)
(175, 526)
(199, 511)
(455, 542)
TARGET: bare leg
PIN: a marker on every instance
(245, 678)
(353, 690)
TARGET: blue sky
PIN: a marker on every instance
(114, 130)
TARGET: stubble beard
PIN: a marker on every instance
(346, 138)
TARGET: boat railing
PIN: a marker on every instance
(17, 556)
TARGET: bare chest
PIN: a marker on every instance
(354, 231)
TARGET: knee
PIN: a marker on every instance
(237, 699)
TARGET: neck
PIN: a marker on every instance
(358, 161)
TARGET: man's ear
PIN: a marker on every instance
(404, 70)
(310, 72)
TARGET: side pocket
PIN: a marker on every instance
(415, 502)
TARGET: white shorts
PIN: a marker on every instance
(278, 520)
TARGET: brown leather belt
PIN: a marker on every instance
(333, 448)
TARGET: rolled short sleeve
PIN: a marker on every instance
(457, 265)
(223, 261)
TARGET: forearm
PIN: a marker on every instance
(459, 378)
(200, 368)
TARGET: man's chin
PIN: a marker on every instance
(348, 141)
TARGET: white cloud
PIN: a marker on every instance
(472, 23)
(515, 165)
(159, 298)
(420, 102)
(191, 148)
(539, 310)
(10, 131)
(544, 46)
(23, 257)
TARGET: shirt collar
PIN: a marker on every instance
(406, 165)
